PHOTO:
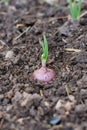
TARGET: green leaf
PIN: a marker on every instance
(45, 49)
(75, 9)
(6, 1)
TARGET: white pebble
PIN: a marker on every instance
(9, 55)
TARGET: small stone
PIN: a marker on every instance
(54, 121)
(32, 112)
(78, 128)
(83, 92)
(26, 67)
(17, 97)
(12, 126)
(59, 104)
(27, 100)
(62, 92)
(9, 94)
(1, 114)
(1, 96)
(9, 55)
(40, 111)
(5, 101)
(51, 2)
(64, 30)
(46, 104)
(20, 121)
(71, 98)
(19, 2)
(11, 9)
(82, 57)
(81, 108)
(86, 101)
(69, 106)
(26, 95)
(9, 107)
(16, 59)
(66, 105)
(37, 98)
(83, 81)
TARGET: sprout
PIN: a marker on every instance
(75, 9)
(6, 1)
(44, 56)
(44, 74)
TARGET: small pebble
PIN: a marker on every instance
(9, 55)
(54, 121)
(1, 114)
(1, 96)
(81, 108)
(71, 98)
(82, 58)
(6, 101)
(59, 104)
(69, 105)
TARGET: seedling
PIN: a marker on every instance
(44, 74)
(75, 9)
(6, 1)
(44, 56)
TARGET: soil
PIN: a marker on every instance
(26, 104)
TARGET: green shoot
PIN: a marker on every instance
(6, 1)
(45, 50)
(75, 9)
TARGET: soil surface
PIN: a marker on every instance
(26, 104)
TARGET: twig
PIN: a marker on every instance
(62, 17)
(67, 90)
(41, 93)
(83, 14)
(3, 43)
(21, 34)
(3, 13)
(1, 123)
(73, 50)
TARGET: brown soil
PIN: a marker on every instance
(26, 104)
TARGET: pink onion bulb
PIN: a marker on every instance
(43, 74)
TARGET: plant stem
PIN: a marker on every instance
(44, 63)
